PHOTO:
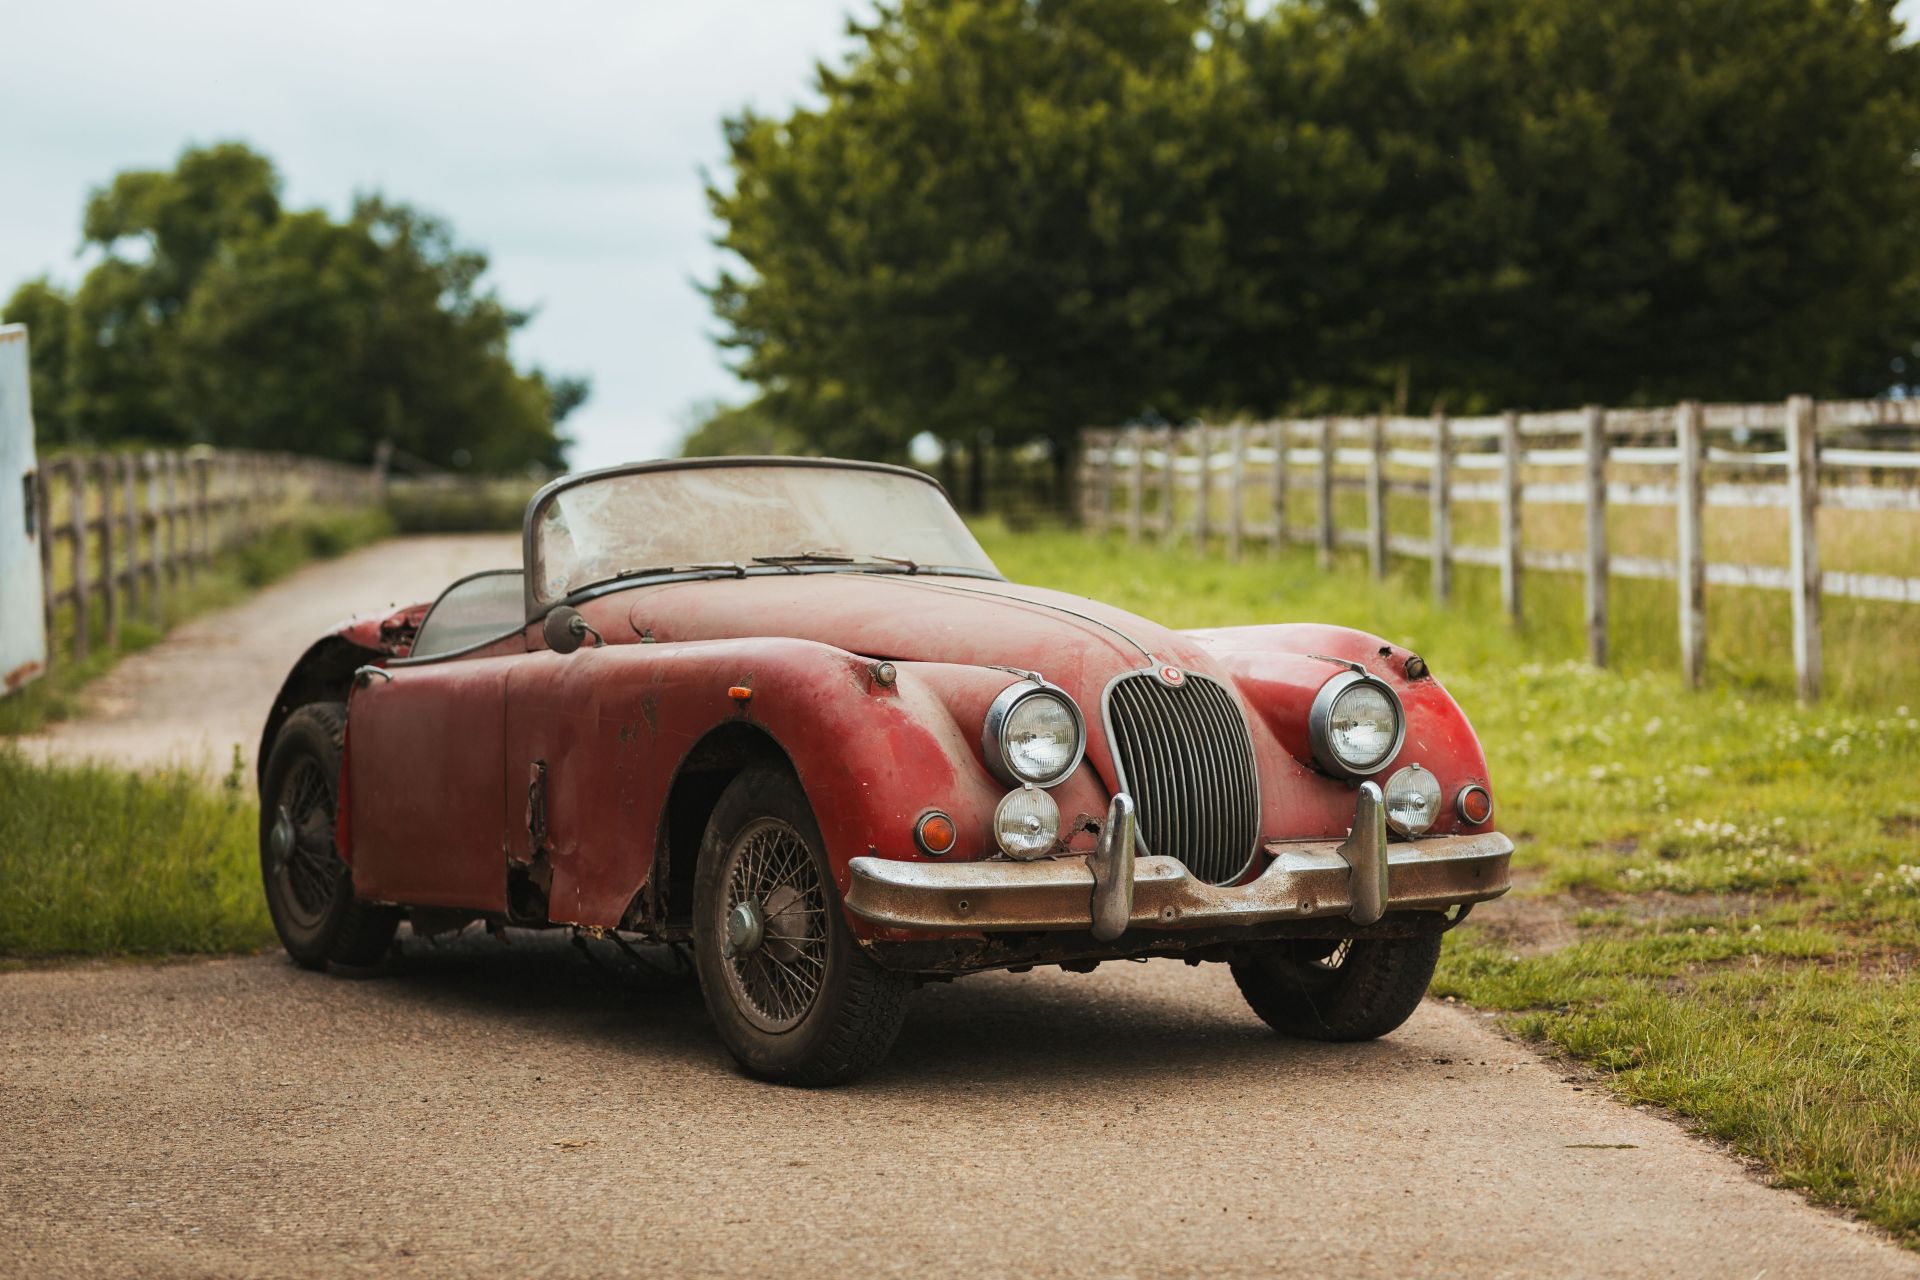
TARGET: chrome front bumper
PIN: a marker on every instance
(1360, 878)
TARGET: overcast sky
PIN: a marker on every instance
(565, 138)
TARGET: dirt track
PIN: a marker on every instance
(487, 1109)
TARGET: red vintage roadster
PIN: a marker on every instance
(786, 711)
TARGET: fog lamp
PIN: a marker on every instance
(1413, 800)
(1027, 823)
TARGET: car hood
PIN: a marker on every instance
(1074, 642)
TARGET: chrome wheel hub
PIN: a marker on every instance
(746, 929)
(773, 930)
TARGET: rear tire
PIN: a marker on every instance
(794, 997)
(1354, 989)
(309, 889)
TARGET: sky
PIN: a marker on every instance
(566, 139)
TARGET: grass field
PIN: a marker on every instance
(99, 861)
(1719, 900)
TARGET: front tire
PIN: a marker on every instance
(309, 889)
(793, 996)
(1353, 989)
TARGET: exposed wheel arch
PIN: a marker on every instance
(723, 754)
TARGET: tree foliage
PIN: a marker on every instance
(214, 314)
(1023, 216)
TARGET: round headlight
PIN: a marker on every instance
(1413, 800)
(1026, 823)
(1355, 725)
(1033, 734)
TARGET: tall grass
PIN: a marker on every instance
(97, 860)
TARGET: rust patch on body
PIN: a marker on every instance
(23, 673)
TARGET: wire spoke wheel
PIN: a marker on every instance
(308, 867)
(774, 920)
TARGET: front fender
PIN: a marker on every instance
(1279, 669)
(613, 725)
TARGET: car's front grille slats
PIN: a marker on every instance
(1183, 754)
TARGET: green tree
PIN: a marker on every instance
(215, 315)
(1563, 201)
(717, 429)
(1003, 218)
(340, 334)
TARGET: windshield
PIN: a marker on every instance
(751, 515)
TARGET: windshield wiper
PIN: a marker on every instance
(804, 557)
(833, 557)
(737, 569)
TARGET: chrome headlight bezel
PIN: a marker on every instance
(1320, 726)
(1409, 778)
(993, 741)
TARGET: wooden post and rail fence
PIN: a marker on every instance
(121, 532)
(1229, 484)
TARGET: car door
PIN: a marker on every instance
(426, 800)
(23, 637)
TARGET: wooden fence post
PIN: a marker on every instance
(1110, 476)
(103, 469)
(170, 471)
(1326, 493)
(1440, 500)
(1137, 484)
(129, 476)
(1277, 431)
(1203, 487)
(1377, 499)
(1236, 486)
(1169, 486)
(1594, 445)
(150, 521)
(1689, 502)
(1510, 515)
(77, 524)
(1803, 484)
(43, 527)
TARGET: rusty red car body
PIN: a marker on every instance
(518, 783)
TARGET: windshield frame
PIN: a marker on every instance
(530, 521)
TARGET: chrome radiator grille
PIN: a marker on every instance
(1182, 753)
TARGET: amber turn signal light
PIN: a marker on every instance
(1473, 804)
(935, 834)
(739, 693)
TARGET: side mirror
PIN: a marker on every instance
(565, 630)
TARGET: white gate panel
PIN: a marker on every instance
(23, 634)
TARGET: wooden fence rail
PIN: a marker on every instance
(121, 532)
(1847, 455)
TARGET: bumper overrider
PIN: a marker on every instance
(1111, 890)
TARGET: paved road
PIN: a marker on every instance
(488, 1108)
(191, 699)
